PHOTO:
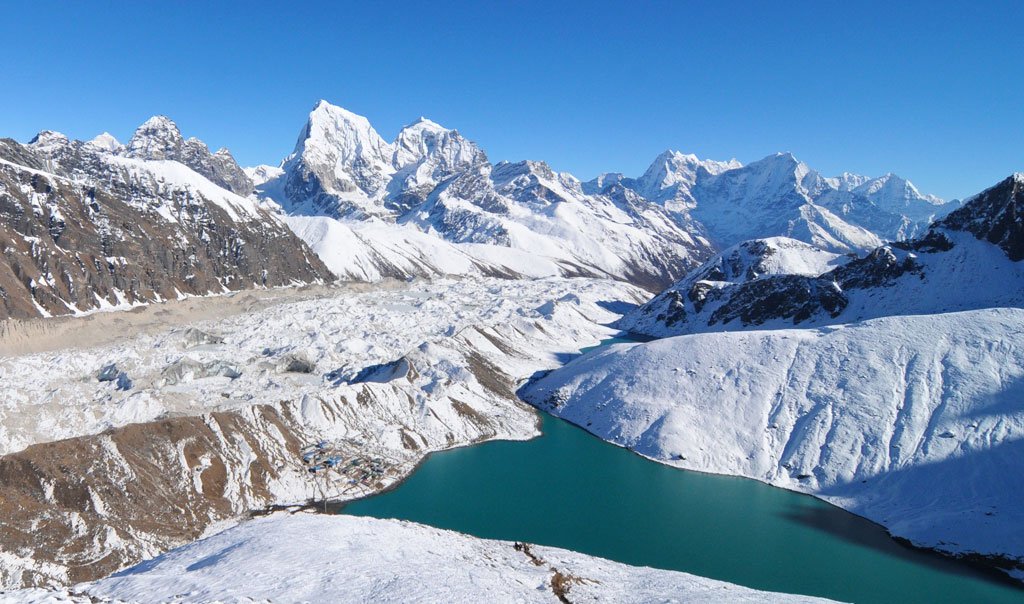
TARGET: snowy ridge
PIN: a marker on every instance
(373, 250)
(85, 227)
(914, 421)
(364, 559)
(781, 196)
(947, 270)
(899, 400)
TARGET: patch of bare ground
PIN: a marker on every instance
(94, 504)
(561, 581)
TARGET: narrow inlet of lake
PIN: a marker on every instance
(572, 490)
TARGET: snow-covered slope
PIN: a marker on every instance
(372, 250)
(307, 558)
(773, 196)
(913, 417)
(916, 422)
(971, 259)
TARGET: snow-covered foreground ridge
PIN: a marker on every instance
(205, 423)
(915, 422)
(309, 558)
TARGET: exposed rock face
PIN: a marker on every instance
(159, 139)
(995, 215)
(81, 228)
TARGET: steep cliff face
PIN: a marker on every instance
(995, 215)
(82, 228)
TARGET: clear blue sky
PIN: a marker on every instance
(930, 90)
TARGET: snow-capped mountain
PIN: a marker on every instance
(435, 180)
(159, 139)
(774, 197)
(970, 259)
(669, 180)
(88, 225)
(781, 196)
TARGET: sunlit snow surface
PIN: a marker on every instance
(916, 422)
(348, 559)
(53, 395)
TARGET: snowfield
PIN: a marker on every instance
(242, 360)
(915, 422)
(316, 558)
(212, 418)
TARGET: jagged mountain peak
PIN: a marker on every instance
(425, 124)
(893, 187)
(48, 142)
(775, 174)
(445, 149)
(505, 171)
(348, 132)
(848, 181)
(335, 137)
(671, 176)
(157, 138)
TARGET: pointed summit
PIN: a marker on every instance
(336, 135)
(340, 165)
(673, 174)
(427, 142)
(48, 142)
(105, 142)
(157, 138)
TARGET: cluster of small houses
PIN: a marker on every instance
(359, 470)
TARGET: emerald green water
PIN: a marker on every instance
(569, 489)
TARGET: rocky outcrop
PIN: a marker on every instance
(995, 215)
(159, 139)
(82, 229)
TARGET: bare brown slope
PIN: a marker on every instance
(67, 242)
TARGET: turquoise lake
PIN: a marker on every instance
(570, 489)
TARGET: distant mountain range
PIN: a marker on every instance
(86, 225)
(780, 282)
